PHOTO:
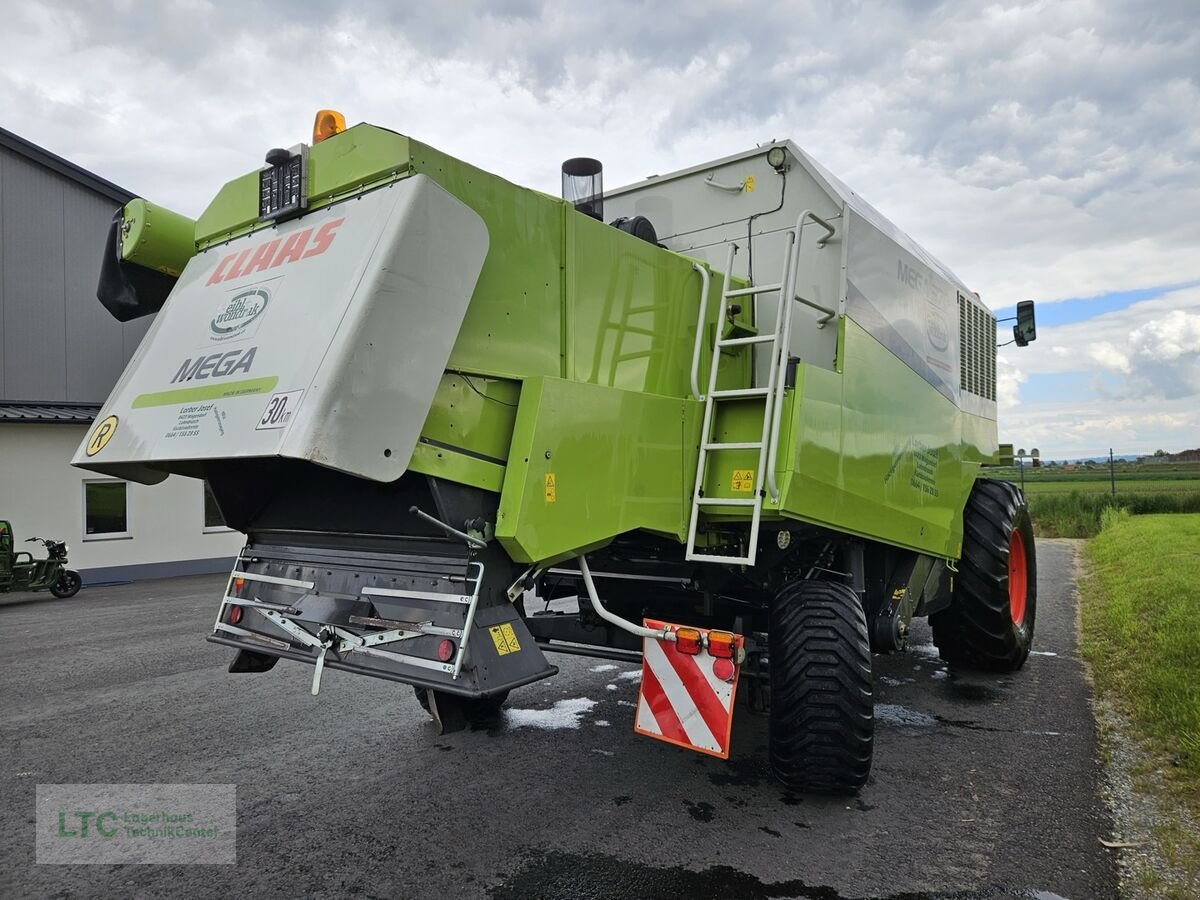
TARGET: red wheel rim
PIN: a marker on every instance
(1018, 578)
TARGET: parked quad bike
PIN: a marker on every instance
(19, 571)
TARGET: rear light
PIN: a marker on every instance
(723, 669)
(446, 650)
(687, 640)
(235, 615)
(238, 584)
(720, 644)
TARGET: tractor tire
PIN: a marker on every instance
(822, 723)
(68, 584)
(989, 622)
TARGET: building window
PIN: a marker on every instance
(213, 520)
(105, 510)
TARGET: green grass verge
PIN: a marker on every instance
(1141, 628)
(1079, 513)
(1140, 615)
(1126, 486)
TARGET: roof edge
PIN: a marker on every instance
(55, 163)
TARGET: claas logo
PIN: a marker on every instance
(273, 254)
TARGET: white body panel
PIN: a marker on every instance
(870, 270)
(330, 353)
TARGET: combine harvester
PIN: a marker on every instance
(744, 426)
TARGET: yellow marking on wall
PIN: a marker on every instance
(505, 639)
(742, 481)
(749, 184)
(551, 488)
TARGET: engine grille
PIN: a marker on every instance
(977, 344)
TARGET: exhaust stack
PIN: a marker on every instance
(583, 185)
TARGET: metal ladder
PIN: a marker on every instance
(771, 394)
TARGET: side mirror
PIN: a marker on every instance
(1025, 330)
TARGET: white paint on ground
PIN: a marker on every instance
(1041, 653)
(902, 716)
(563, 714)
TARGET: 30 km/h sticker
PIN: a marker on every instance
(101, 435)
(742, 481)
(505, 639)
(280, 409)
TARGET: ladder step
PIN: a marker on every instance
(756, 289)
(725, 501)
(742, 341)
(728, 560)
(734, 445)
(739, 392)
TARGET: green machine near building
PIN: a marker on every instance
(742, 423)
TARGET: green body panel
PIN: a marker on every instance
(876, 452)
(619, 461)
(156, 238)
(573, 361)
(354, 160)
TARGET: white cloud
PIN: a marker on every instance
(1041, 149)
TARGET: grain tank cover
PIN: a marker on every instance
(322, 339)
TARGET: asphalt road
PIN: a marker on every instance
(983, 787)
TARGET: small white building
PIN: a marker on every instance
(60, 355)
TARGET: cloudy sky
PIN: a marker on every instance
(1044, 150)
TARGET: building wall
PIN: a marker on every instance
(56, 341)
(43, 495)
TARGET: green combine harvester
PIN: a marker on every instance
(742, 424)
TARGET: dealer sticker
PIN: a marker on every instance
(280, 409)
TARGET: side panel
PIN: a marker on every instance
(588, 463)
(877, 452)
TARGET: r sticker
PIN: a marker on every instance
(551, 488)
(505, 639)
(742, 481)
(749, 184)
(102, 435)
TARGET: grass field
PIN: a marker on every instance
(1141, 634)
(1070, 504)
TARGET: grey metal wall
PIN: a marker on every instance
(56, 341)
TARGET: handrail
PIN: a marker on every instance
(783, 346)
(700, 317)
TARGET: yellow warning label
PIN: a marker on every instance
(505, 639)
(749, 184)
(101, 435)
(742, 481)
(551, 488)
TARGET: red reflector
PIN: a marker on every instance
(720, 644)
(724, 669)
(235, 615)
(446, 650)
(687, 640)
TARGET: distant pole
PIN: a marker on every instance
(1112, 472)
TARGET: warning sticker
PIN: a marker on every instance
(504, 638)
(551, 488)
(742, 481)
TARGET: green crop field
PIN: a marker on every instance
(1037, 486)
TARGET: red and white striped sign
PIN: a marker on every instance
(683, 701)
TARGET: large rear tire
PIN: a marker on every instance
(822, 725)
(989, 622)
